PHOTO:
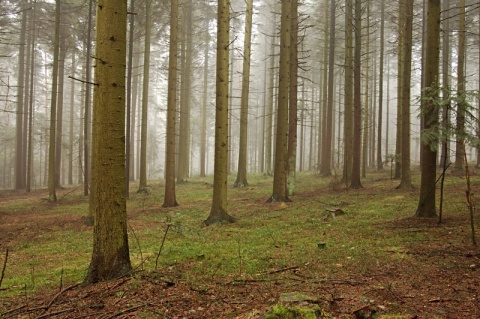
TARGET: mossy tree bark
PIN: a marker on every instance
(110, 257)
(218, 212)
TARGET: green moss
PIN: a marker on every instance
(289, 312)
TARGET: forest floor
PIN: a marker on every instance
(332, 253)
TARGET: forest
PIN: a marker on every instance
(288, 158)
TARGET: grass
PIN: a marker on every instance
(266, 238)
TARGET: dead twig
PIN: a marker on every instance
(4, 315)
(58, 295)
(125, 311)
(161, 246)
(276, 271)
(51, 314)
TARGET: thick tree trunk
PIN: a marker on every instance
(426, 203)
(110, 257)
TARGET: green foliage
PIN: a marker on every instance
(445, 100)
(297, 312)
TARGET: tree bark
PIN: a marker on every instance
(461, 105)
(170, 199)
(279, 193)
(426, 203)
(241, 180)
(218, 212)
(110, 257)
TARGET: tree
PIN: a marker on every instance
(170, 199)
(426, 203)
(348, 97)
(19, 174)
(269, 104)
(128, 128)
(380, 86)
(461, 105)
(279, 193)
(218, 212)
(406, 178)
(326, 161)
(293, 102)
(203, 130)
(110, 257)
(87, 119)
(52, 196)
(357, 104)
(242, 153)
(142, 187)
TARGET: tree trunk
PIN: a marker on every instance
(357, 104)
(269, 106)
(19, 174)
(59, 130)
(31, 103)
(445, 155)
(461, 105)
(142, 187)
(241, 180)
(326, 166)
(218, 212)
(293, 101)
(52, 196)
(170, 199)
(406, 178)
(380, 87)
(348, 97)
(87, 118)
(110, 257)
(128, 129)
(279, 193)
(184, 138)
(71, 122)
(203, 130)
(426, 203)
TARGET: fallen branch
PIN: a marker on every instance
(58, 295)
(161, 246)
(279, 270)
(122, 312)
(51, 314)
(4, 315)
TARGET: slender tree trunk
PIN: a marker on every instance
(348, 97)
(19, 174)
(71, 121)
(461, 105)
(52, 196)
(401, 63)
(380, 87)
(170, 199)
(279, 193)
(426, 203)
(203, 130)
(142, 187)
(269, 106)
(31, 103)
(59, 121)
(326, 166)
(406, 179)
(218, 212)
(366, 104)
(128, 129)
(322, 159)
(87, 118)
(445, 155)
(357, 104)
(241, 180)
(293, 101)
